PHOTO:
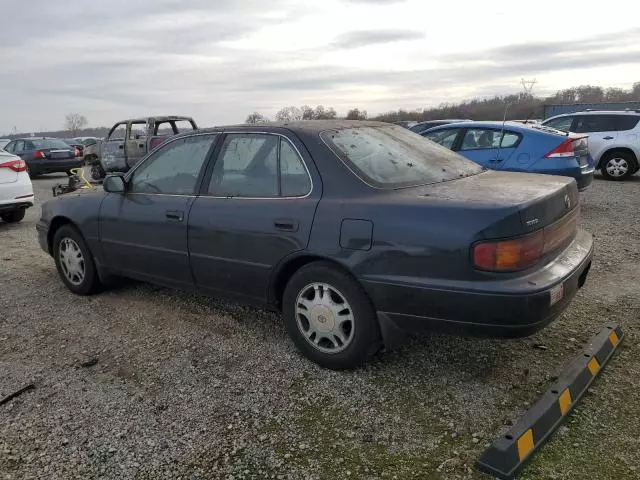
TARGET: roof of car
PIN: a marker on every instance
(40, 138)
(597, 112)
(486, 124)
(159, 118)
(301, 125)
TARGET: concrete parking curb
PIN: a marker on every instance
(509, 452)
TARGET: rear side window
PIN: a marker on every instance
(393, 157)
(627, 122)
(562, 123)
(595, 123)
(446, 138)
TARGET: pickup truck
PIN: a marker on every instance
(129, 141)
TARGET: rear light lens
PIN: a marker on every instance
(15, 165)
(567, 148)
(76, 152)
(520, 253)
(39, 154)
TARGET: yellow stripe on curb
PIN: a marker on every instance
(565, 401)
(613, 338)
(594, 366)
(525, 444)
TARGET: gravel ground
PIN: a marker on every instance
(144, 382)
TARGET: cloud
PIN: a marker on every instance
(365, 38)
(220, 59)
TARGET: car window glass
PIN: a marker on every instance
(9, 147)
(294, 179)
(119, 132)
(480, 138)
(19, 146)
(627, 122)
(562, 123)
(509, 139)
(443, 137)
(28, 146)
(174, 168)
(51, 143)
(392, 156)
(246, 167)
(595, 123)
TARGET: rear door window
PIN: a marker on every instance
(562, 123)
(595, 123)
(480, 138)
(19, 146)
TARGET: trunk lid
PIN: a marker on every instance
(529, 201)
(58, 154)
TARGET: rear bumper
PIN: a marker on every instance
(499, 308)
(54, 166)
(18, 205)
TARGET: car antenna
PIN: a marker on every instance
(504, 120)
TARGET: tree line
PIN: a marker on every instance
(515, 107)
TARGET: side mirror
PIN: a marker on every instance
(113, 184)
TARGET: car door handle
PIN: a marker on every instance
(607, 138)
(121, 147)
(286, 225)
(494, 160)
(174, 215)
(141, 145)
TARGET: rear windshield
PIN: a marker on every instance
(393, 157)
(51, 143)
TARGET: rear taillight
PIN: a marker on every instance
(15, 165)
(39, 154)
(519, 253)
(565, 149)
(76, 152)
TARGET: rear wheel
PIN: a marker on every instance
(618, 165)
(74, 261)
(13, 217)
(330, 317)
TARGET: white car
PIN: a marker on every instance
(16, 191)
(614, 139)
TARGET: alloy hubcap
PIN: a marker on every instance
(71, 261)
(325, 318)
(617, 167)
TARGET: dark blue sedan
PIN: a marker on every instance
(516, 147)
(356, 231)
(46, 155)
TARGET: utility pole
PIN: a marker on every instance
(528, 85)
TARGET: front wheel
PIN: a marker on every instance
(74, 261)
(618, 166)
(13, 217)
(330, 317)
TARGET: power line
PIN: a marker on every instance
(528, 85)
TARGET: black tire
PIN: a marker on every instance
(97, 173)
(625, 166)
(13, 217)
(365, 340)
(91, 282)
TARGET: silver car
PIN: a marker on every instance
(614, 138)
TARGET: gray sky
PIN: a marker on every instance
(219, 60)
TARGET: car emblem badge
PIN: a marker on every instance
(567, 201)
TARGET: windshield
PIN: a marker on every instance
(51, 143)
(393, 157)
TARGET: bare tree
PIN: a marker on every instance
(256, 117)
(289, 114)
(356, 114)
(74, 122)
(324, 114)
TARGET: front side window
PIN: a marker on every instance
(118, 133)
(446, 138)
(627, 122)
(480, 138)
(595, 123)
(391, 157)
(173, 169)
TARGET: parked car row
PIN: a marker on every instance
(356, 231)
